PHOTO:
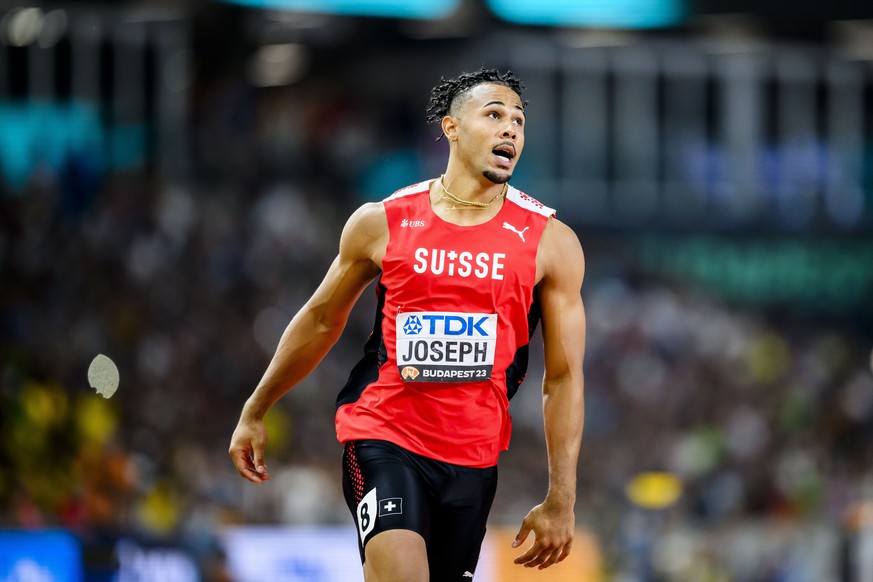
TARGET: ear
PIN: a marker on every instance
(450, 128)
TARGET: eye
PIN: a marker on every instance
(493, 115)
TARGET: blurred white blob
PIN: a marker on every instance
(103, 376)
(274, 65)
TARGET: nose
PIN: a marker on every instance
(509, 130)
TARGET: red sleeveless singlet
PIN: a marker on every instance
(449, 348)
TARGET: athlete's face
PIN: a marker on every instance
(490, 131)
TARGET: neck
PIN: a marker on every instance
(457, 203)
(470, 188)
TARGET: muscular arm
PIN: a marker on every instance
(311, 333)
(563, 316)
(564, 345)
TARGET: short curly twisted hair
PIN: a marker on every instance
(450, 94)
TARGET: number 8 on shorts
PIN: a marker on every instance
(366, 514)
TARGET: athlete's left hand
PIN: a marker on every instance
(553, 525)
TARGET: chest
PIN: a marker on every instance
(437, 261)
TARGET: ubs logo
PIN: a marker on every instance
(411, 223)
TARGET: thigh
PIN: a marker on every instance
(396, 555)
(458, 523)
(383, 491)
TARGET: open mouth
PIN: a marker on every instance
(506, 152)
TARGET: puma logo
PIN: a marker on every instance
(520, 233)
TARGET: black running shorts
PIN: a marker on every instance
(386, 487)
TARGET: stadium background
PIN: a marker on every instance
(173, 180)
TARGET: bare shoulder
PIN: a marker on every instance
(368, 219)
(561, 236)
(560, 252)
(365, 234)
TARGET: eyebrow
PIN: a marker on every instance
(496, 102)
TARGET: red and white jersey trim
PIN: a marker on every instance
(529, 202)
(513, 194)
(412, 189)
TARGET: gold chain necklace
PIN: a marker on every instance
(459, 203)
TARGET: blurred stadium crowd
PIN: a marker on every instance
(764, 414)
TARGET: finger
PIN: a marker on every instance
(522, 534)
(243, 463)
(551, 559)
(258, 456)
(562, 552)
(566, 551)
(260, 477)
(527, 556)
(252, 476)
(241, 459)
(530, 555)
(244, 468)
(538, 559)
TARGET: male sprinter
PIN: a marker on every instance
(468, 265)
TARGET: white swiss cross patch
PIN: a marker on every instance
(390, 506)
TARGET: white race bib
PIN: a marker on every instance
(366, 514)
(435, 346)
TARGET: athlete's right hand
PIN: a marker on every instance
(247, 449)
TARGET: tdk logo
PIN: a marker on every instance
(446, 325)
(411, 223)
(412, 325)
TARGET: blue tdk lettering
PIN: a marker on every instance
(432, 319)
(456, 324)
(477, 325)
(456, 319)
